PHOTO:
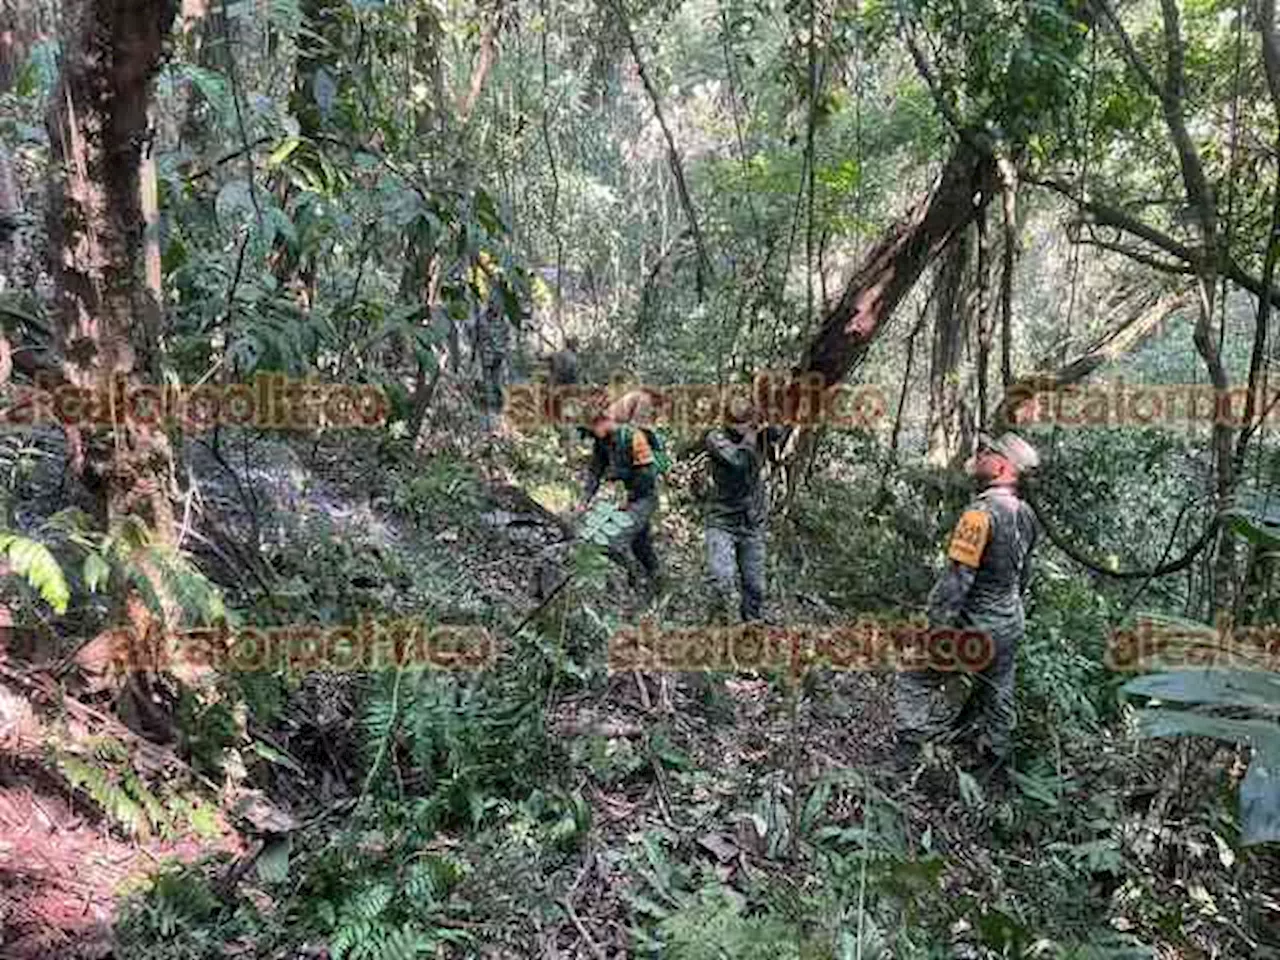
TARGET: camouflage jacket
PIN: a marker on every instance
(739, 500)
(990, 563)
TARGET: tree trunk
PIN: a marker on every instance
(965, 186)
(948, 428)
(97, 130)
(10, 220)
(13, 50)
(13, 42)
(428, 35)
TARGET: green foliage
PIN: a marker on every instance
(370, 904)
(611, 760)
(440, 485)
(207, 729)
(472, 740)
(1063, 686)
(713, 924)
(603, 523)
(1256, 695)
(34, 563)
(102, 769)
(174, 920)
(365, 895)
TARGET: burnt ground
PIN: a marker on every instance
(746, 748)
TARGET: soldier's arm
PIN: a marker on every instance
(725, 450)
(947, 597)
(595, 471)
(968, 544)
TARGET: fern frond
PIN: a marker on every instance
(34, 562)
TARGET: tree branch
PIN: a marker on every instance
(1271, 63)
(673, 153)
(1109, 216)
(1117, 341)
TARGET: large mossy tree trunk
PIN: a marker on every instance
(107, 314)
(108, 320)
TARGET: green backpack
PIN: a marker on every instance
(661, 458)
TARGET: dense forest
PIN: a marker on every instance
(512, 479)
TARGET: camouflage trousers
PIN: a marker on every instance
(735, 558)
(636, 540)
(931, 705)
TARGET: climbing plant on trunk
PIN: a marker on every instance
(108, 321)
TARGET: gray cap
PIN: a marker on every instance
(1013, 448)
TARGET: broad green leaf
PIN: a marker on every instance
(272, 865)
(212, 86)
(1244, 688)
(1163, 722)
(96, 572)
(1255, 517)
(282, 153)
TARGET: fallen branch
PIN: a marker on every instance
(567, 902)
(1114, 343)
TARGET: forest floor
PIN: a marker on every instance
(746, 782)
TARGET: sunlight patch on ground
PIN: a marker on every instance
(555, 497)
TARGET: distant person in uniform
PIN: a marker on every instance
(563, 369)
(564, 363)
(989, 565)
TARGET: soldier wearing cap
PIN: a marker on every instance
(738, 511)
(987, 572)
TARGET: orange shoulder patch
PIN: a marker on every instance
(972, 532)
(641, 453)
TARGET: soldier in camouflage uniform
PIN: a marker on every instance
(737, 513)
(987, 573)
(563, 369)
(492, 343)
(563, 364)
(621, 451)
